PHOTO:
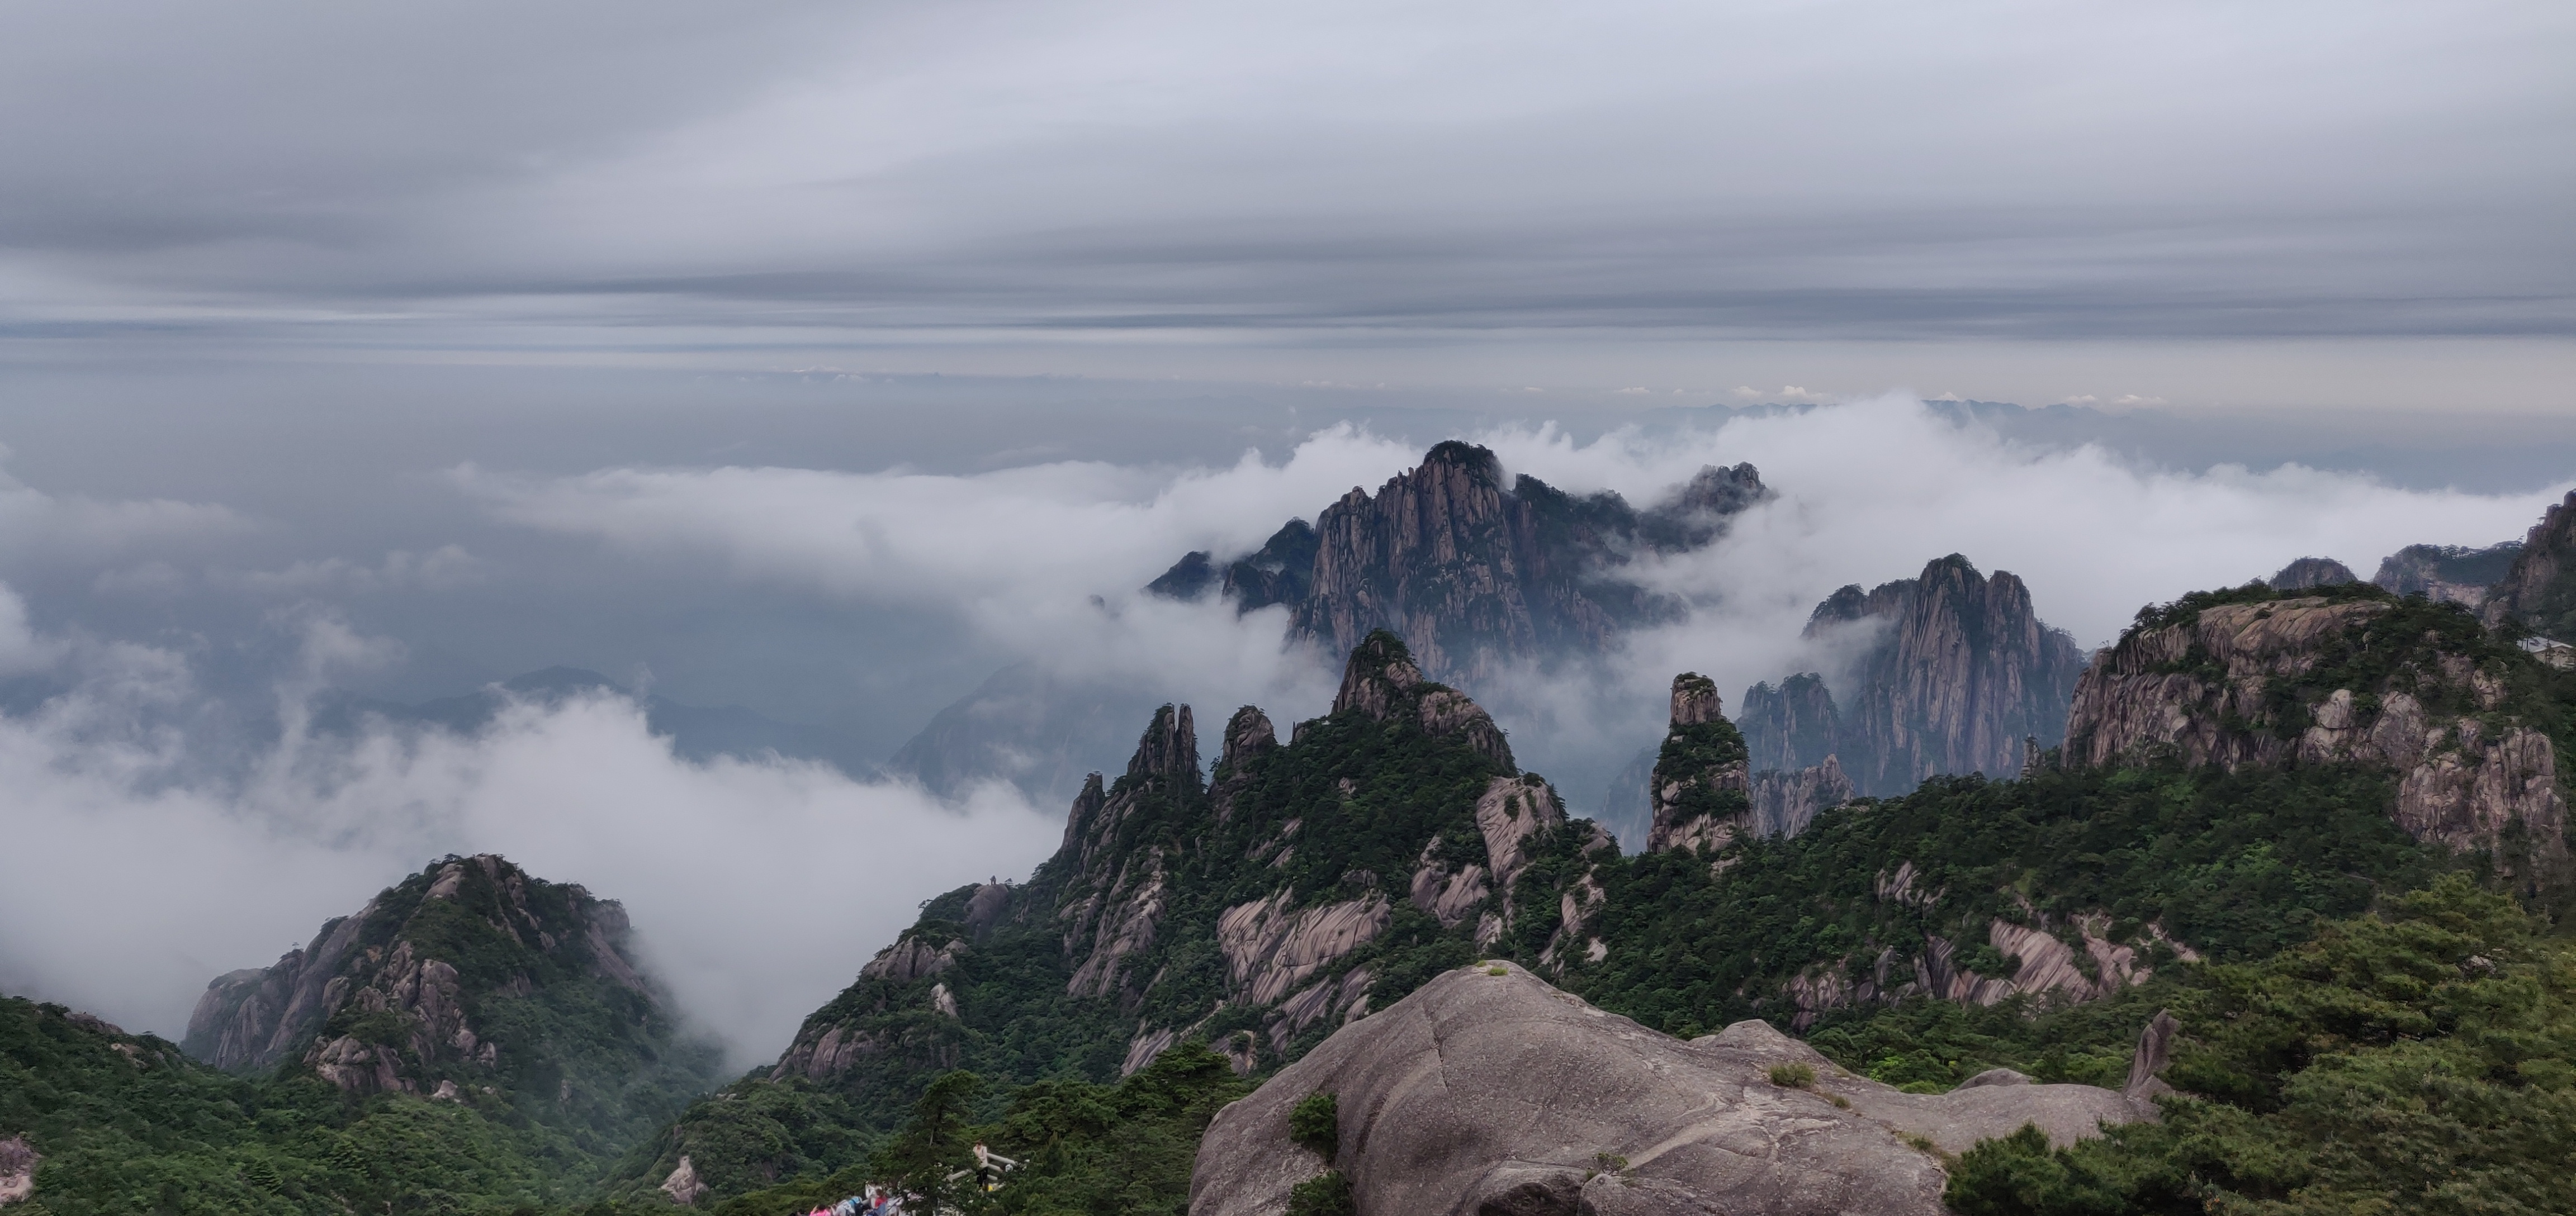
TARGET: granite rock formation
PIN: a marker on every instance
(1488, 1091)
(399, 997)
(2415, 688)
(1959, 672)
(2450, 574)
(1472, 573)
(2314, 572)
(18, 1162)
(1785, 801)
(1257, 907)
(2538, 591)
(1792, 726)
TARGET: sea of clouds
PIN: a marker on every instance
(150, 844)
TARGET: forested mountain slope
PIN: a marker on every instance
(1257, 910)
(474, 1039)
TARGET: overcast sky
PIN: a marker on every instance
(825, 358)
(2313, 203)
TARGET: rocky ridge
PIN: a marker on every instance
(1956, 673)
(1288, 892)
(1488, 1091)
(2271, 679)
(1473, 574)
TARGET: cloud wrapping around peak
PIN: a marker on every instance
(136, 873)
(1045, 561)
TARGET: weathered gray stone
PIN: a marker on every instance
(1484, 1093)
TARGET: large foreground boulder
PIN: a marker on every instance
(1487, 1093)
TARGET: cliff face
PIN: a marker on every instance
(1792, 726)
(1962, 672)
(2539, 590)
(1472, 574)
(2451, 574)
(469, 974)
(1258, 907)
(2280, 680)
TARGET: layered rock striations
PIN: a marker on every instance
(1958, 671)
(2272, 679)
(1257, 907)
(471, 975)
(1473, 574)
(1489, 1091)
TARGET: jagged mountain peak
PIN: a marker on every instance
(1381, 682)
(1475, 572)
(1169, 747)
(1961, 674)
(1247, 734)
(1379, 675)
(1695, 700)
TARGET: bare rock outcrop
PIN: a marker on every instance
(18, 1161)
(1473, 573)
(2204, 689)
(1382, 682)
(1958, 671)
(1784, 803)
(1271, 946)
(2310, 572)
(1114, 856)
(1792, 726)
(683, 1186)
(1496, 1093)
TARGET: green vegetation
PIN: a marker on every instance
(127, 1124)
(1326, 1194)
(1084, 1150)
(1362, 795)
(1316, 1122)
(584, 1065)
(2421, 1060)
(1691, 752)
(1793, 1076)
(2238, 865)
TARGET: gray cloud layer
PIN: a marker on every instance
(1861, 170)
